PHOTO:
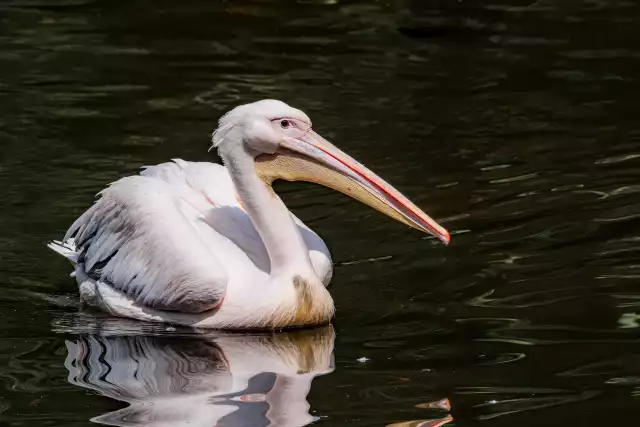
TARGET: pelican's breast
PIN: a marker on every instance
(312, 305)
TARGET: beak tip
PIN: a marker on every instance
(445, 237)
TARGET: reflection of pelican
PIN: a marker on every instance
(230, 380)
(211, 246)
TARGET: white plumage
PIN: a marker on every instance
(207, 245)
(173, 238)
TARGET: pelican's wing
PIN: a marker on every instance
(144, 237)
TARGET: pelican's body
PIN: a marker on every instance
(195, 238)
(213, 246)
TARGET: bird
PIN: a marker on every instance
(211, 245)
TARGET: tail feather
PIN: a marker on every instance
(67, 249)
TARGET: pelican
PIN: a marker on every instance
(212, 246)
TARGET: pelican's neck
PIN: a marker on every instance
(287, 251)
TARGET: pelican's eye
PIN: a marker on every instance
(287, 127)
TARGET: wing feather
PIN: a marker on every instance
(141, 238)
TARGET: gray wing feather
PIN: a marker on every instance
(139, 238)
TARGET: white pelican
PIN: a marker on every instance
(213, 246)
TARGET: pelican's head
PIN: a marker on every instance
(284, 146)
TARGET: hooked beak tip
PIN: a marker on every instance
(446, 237)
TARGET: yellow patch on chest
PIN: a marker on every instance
(313, 305)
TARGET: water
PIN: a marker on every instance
(513, 123)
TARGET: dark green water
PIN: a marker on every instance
(514, 123)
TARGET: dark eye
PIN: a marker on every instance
(284, 124)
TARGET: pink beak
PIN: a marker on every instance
(369, 187)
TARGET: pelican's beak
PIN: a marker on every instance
(313, 158)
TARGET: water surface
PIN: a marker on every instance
(514, 123)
